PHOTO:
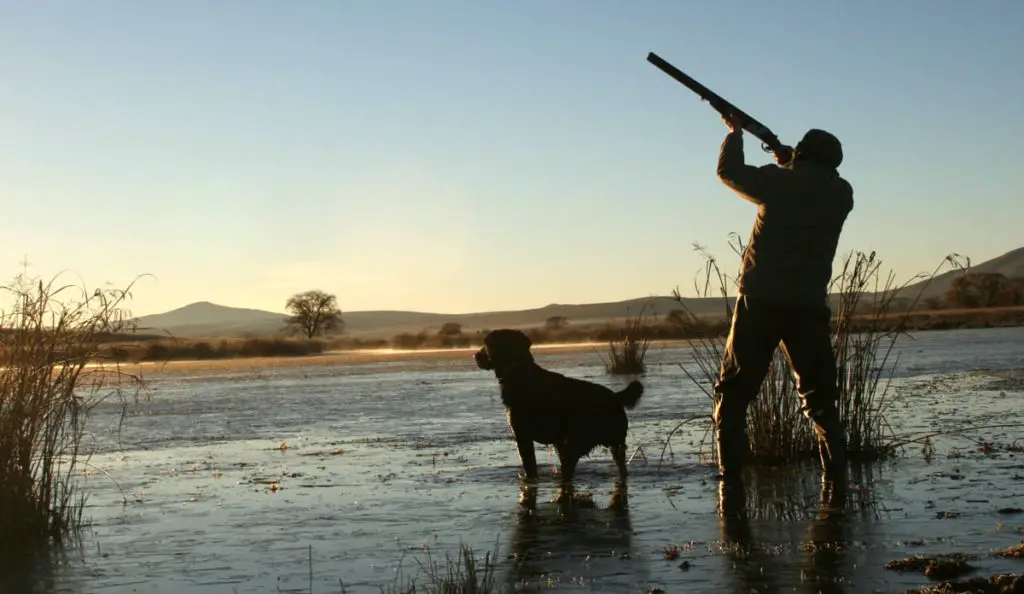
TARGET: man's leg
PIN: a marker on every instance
(753, 338)
(807, 341)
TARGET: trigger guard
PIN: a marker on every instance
(766, 148)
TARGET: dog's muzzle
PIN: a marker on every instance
(483, 361)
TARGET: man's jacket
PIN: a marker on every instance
(801, 209)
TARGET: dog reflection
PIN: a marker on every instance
(821, 567)
(571, 541)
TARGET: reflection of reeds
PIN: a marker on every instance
(46, 391)
(868, 317)
(797, 495)
(628, 348)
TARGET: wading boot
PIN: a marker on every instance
(730, 417)
(831, 446)
(732, 452)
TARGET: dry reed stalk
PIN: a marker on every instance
(869, 315)
(50, 340)
(628, 350)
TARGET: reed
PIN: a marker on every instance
(50, 377)
(464, 574)
(627, 348)
(870, 313)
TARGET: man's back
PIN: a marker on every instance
(801, 212)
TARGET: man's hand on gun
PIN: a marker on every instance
(782, 156)
(732, 123)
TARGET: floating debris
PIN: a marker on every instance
(939, 567)
(263, 480)
(1016, 552)
(998, 584)
(334, 452)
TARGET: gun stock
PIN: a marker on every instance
(770, 142)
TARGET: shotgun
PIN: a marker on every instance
(769, 142)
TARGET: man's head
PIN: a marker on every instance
(821, 147)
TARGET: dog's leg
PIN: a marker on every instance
(527, 457)
(619, 455)
(567, 459)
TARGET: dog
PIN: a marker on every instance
(549, 408)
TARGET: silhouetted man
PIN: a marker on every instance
(802, 204)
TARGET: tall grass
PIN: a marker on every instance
(462, 575)
(627, 348)
(870, 312)
(50, 338)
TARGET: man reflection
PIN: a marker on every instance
(756, 569)
(823, 557)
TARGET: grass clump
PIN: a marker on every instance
(627, 349)
(49, 336)
(939, 567)
(462, 575)
(870, 312)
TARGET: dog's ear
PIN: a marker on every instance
(482, 360)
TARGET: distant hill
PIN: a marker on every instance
(1010, 265)
(206, 319)
(210, 320)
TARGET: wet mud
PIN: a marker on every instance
(310, 479)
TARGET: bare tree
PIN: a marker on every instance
(450, 329)
(556, 322)
(313, 312)
(676, 317)
(984, 289)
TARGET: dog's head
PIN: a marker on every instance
(504, 350)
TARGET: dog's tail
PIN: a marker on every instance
(630, 395)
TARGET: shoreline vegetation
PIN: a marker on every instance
(128, 348)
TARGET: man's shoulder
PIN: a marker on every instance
(845, 192)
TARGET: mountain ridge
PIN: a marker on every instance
(207, 319)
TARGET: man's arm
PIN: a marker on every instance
(746, 180)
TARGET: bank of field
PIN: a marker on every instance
(427, 343)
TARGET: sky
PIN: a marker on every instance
(468, 155)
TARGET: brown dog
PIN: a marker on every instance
(549, 408)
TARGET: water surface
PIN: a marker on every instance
(305, 478)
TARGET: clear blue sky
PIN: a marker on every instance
(466, 155)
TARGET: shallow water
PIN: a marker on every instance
(194, 493)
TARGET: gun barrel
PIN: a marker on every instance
(680, 76)
(771, 142)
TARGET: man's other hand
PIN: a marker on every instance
(784, 155)
(732, 123)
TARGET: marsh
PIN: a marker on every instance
(248, 481)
